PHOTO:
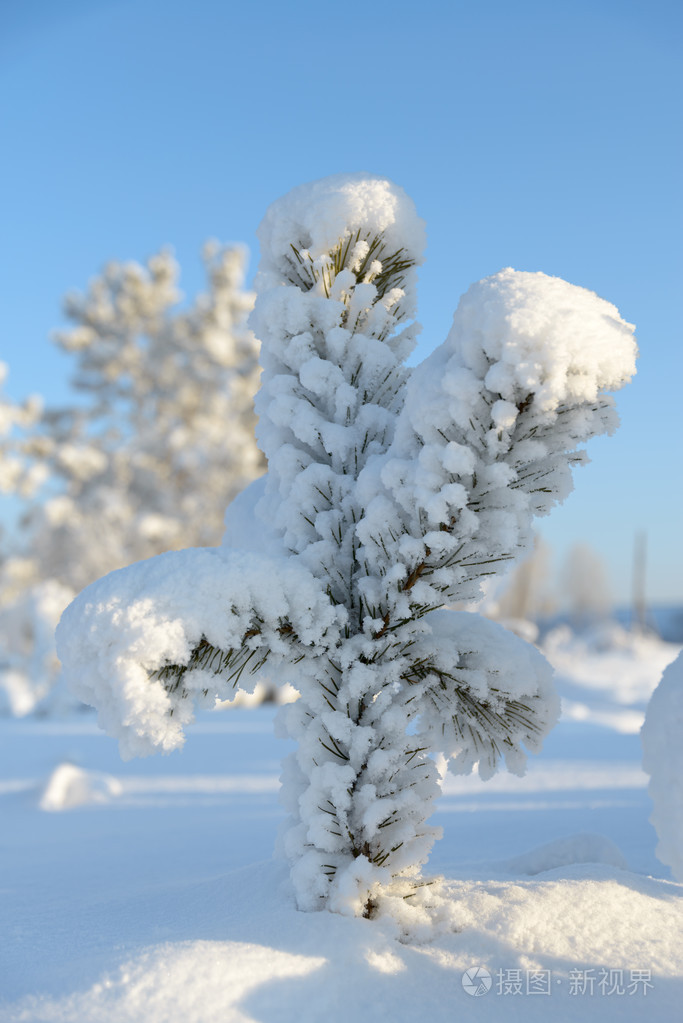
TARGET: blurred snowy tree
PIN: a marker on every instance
(158, 440)
(526, 595)
(391, 493)
(585, 586)
(17, 476)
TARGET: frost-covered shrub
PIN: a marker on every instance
(391, 493)
(662, 738)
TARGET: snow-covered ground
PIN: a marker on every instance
(147, 892)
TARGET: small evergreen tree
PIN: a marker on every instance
(391, 493)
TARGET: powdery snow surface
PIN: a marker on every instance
(146, 892)
(609, 674)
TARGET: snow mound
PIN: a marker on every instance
(69, 786)
(565, 851)
(663, 760)
(195, 981)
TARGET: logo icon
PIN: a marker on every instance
(476, 981)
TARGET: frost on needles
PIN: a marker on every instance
(391, 494)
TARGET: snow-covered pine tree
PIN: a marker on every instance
(390, 495)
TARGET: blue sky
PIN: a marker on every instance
(543, 136)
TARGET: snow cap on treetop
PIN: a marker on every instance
(529, 333)
(318, 215)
